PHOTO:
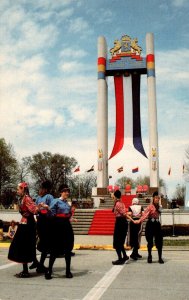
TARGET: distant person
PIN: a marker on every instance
(153, 227)
(135, 230)
(12, 230)
(120, 229)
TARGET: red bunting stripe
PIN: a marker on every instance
(119, 136)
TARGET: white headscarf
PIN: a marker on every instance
(136, 209)
(135, 201)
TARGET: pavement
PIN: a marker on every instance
(95, 278)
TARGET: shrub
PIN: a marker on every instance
(179, 229)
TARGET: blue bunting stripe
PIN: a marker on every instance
(137, 139)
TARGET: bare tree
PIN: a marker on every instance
(81, 185)
(179, 194)
(141, 180)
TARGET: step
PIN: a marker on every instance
(101, 233)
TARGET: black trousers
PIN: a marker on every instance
(153, 232)
(135, 229)
(120, 232)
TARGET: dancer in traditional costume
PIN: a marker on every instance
(135, 230)
(120, 229)
(23, 246)
(153, 227)
(62, 240)
(44, 225)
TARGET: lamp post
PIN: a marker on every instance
(173, 218)
(64, 173)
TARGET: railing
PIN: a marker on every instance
(83, 203)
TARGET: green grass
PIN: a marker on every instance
(6, 240)
(176, 242)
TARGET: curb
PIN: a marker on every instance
(110, 247)
(86, 247)
(102, 247)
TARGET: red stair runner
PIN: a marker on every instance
(103, 223)
(104, 220)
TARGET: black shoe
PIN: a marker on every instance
(161, 261)
(34, 265)
(72, 253)
(133, 256)
(48, 275)
(118, 262)
(138, 255)
(69, 275)
(125, 259)
(149, 259)
(23, 275)
(41, 269)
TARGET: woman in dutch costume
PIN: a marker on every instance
(62, 241)
(135, 230)
(43, 225)
(23, 246)
(120, 229)
(153, 227)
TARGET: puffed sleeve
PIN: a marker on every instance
(31, 206)
(146, 213)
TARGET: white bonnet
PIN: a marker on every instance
(135, 201)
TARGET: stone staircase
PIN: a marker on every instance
(106, 202)
(84, 219)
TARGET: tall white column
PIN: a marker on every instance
(152, 112)
(102, 116)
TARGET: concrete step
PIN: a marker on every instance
(84, 219)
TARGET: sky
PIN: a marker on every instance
(48, 79)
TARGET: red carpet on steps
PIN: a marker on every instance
(104, 219)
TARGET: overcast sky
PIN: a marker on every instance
(48, 78)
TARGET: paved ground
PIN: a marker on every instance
(96, 278)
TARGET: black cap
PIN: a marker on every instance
(117, 194)
(155, 194)
(46, 185)
(64, 187)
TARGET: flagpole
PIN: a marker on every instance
(102, 116)
(152, 112)
(79, 187)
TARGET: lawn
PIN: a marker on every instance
(176, 242)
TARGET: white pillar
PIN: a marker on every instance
(152, 112)
(102, 116)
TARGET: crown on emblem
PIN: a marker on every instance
(127, 46)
